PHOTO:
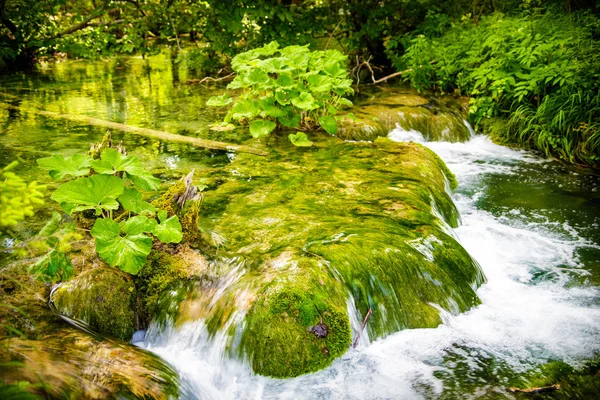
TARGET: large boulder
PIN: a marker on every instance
(103, 298)
(304, 234)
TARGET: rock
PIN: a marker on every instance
(103, 298)
(73, 362)
(320, 330)
(306, 231)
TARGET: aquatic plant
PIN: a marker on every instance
(108, 189)
(289, 87)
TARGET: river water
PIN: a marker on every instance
(532, 224)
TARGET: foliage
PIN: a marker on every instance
(56, 240)
(287, 87)
(17, 198)
(112, 192)
(539, 70)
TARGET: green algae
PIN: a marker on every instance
(316, 226)
(103, 298)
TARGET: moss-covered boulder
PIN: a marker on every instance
(72, 363)
(103, 298)
(300, 235)
(43, 354)
(437, 118)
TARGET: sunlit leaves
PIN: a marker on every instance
(291, 87)
(60, 167)
(219, 101)
(111, 162)
(98, 192)
(132, 200)
(127, 251)
(261, 127)
(169, 229)
(300, 139)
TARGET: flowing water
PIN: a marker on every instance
(532, 224)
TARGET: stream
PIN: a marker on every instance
(531, 223)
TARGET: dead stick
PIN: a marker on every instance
(363, 327)
(152, 133)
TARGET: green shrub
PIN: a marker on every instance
(540, 71)
(290, 87)
(109, 188)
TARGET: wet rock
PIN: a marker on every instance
(85, 367)
(305, 229)
(103, 298)
(320, 330)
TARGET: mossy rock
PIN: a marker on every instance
(84, 367)
(280, 336)
(303, 230)
(103, 298)
(47, 357)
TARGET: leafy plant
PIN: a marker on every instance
(540, 71)
(125, 223)
(289, 87)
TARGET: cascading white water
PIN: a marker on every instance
(522, 321)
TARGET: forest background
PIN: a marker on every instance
(530, 68)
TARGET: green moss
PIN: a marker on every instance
(314, 225)
(162, 283)
(103, 298)
(278, 339)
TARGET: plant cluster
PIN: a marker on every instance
(17, 198)
(289, 87)
(109, 189)
(540, 71)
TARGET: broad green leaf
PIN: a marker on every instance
(169, 229)
(245, 109)
(329, 124)
(111, 162)
(219, 101)
(292, 122)
(98, 192)
(128, 252)
(319, 83)
(59, 166)
(300, 139)
(132, 200)
(344, 102)
(285, 97)
(261, 127)
(305, 101)
(138, 224)
(286, 81)
(333, 69)
(258, 76)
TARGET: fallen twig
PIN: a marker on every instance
(543, 389)
(363, 327)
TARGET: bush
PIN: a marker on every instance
(541, 71)
(290, 87)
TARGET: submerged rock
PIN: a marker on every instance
(313, 230)
(103, 298)
(72, 363)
